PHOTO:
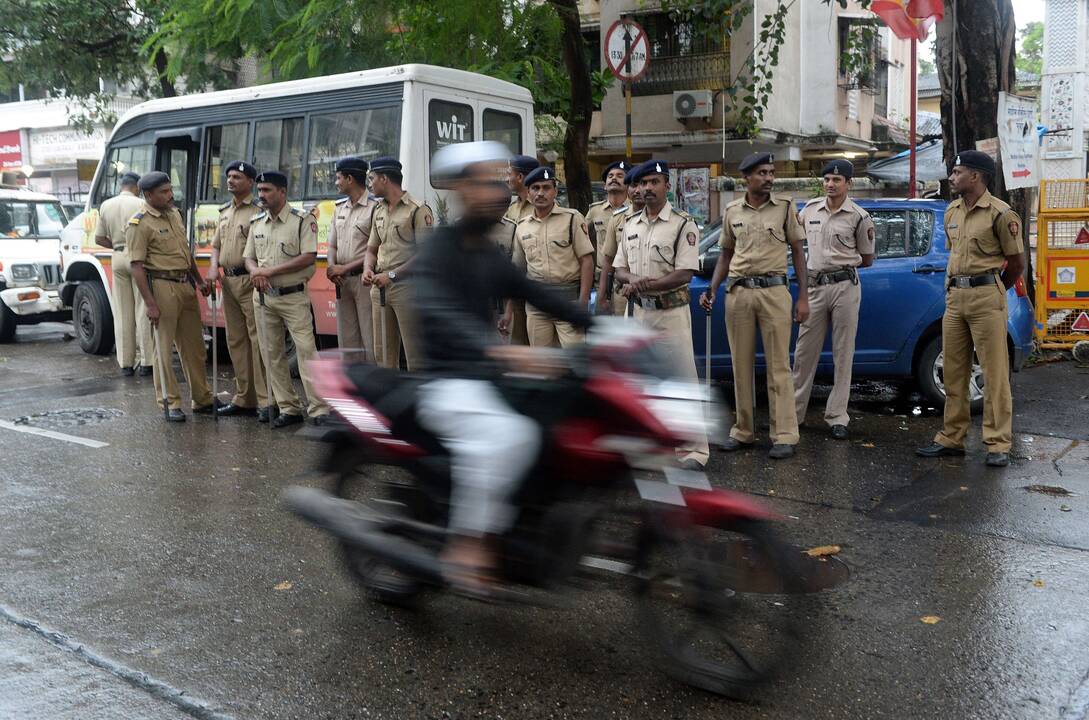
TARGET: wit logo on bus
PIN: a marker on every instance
(451, 132)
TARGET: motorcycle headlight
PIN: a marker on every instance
(24, 273)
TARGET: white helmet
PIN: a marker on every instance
(451, 162)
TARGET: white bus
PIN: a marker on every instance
(301, 128)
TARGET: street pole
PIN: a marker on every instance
(914, 70)
(627, 94)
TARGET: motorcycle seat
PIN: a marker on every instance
(394, 395)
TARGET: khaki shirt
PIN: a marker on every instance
(395, 231)
(350, 230)
(979, 239)
(276, 239)
(614, 231)
(502, 234)
(114, 215)
(760, 237)
(653, 248)
(233, 230)
(551, 249)
(836, 239)
(519, 209)
(157, 239)
(597, 218)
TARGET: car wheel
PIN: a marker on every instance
(930, 376)
(93, 319)
(7, 324)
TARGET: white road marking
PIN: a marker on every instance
(52, 435)
(599, 563)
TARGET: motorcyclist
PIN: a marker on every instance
(461, 276)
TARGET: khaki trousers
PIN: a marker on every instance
(179, 326)
(355, 317)
(400, 327)
(293, 312)
(519, 335)
(838, 303)
(131, 328)
(242, 343)
(770, 310)
(546, 331)
(675, 325)
(975, 318)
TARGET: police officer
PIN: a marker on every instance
(131, 329)
(553, 246)
(606, 250)
(400, 221)
(986, 256)
(757, 231)
(280, 253)
(520, 207)
(166, 273)
(228, 244)
(348, 236)
(840, 236)
(655, 261)
(616, 198)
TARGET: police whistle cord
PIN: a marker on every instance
(215, 349)
(385, 339)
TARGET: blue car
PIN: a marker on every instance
(903, 297)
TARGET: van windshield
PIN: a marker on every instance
(30, 218)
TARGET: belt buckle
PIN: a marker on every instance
(961, 282)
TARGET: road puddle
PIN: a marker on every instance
(73, 417)
(797, 573)
(1054, 490)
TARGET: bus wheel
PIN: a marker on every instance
(93, 319)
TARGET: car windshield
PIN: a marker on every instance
(30, 218)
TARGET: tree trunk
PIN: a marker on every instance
(576, 141)
(983, 65)
(166, 87)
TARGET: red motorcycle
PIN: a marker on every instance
(605, 496)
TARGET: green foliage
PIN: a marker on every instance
(1030, 58)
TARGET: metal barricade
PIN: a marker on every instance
(1062, 264)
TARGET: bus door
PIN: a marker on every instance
(177, 153)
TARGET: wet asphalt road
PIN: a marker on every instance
(156, 577)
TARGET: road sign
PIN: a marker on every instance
(627, 50)
(1081, 324)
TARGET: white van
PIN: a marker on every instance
(30, 260)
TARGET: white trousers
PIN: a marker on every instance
(491, 448)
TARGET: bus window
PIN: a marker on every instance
(278, 145)
(504, 127)
(120, 160)
(223, 145)
(450, 123)
(365, 133)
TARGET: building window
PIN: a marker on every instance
(591, 36)
(858, 54)
(685, 55)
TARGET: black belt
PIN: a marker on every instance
(757, 281)
(286, 290)
(666, 301)
(831, 277)
(971, 281)
(172, 277)
(236, 271)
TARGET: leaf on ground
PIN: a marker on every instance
(823, 550)
(930, 619)
(1038, 583)
(1064, 508)
(285, 585)
(868, 445)
(964, 488)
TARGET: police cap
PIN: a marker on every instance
(130, 178)
(756, 159)
(273, 177)
(539, 175)
(355, 166)
(385, 164)
(524, 163)
(975, 160)
(839, 167)
(650, 167)
(152, 180)
(618, 165)
(245, 168)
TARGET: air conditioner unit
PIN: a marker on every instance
(692, 104)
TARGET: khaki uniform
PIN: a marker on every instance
(518, 209)
(608, 247)
(131, 328)
(158, 240)
(251, 390)
(760, 239)
(394, 234)
(654, 248)
(597, 219)
(979, 239)
(348, 236)
(837, 241)
(551, 250)
(274, 240)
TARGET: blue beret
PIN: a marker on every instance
(273, 177)
(839, 167)
(352, 165)
(975, 160)
(627, 176)
(130, 178)
(524, 163)
(618, 165)
(152, 180)
(754, 160)
(650, 167)
(243, 167)
(540, 174)
(385, 164)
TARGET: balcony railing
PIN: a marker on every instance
(709, 71)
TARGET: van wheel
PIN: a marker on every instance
(7, 324)
(930, 377)
(93, 319)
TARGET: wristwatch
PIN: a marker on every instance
(391, 275)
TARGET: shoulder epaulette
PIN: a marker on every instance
(296, 211)
(955, 203)
(813, 201)
(259, 216)
(506, 221)
(341, 201)
(622, 209)
(569, 211)
(597, 204)
(224, 206)
(522, 220)
(736, 202)
(684, 214)
(135, 219)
